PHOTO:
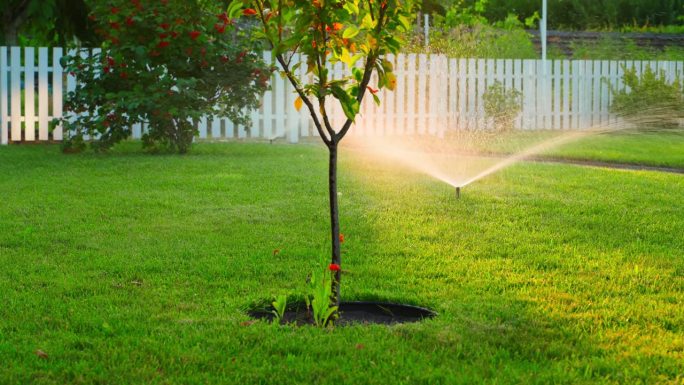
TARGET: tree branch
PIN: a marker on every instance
(305, 99)
(367, 72)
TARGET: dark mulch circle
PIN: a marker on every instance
(355, 313)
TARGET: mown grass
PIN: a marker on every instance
(664, 148)
(131, 268)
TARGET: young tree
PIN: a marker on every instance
(165, 63)
(326, 32)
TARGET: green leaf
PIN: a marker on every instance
(367, 22)
(352, 8)
(387, 65)
(376, 99)
(404, 22)
(234, 9)
(350, 32)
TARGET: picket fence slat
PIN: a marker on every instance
(433, 94)
(15, 98)
(4, 137)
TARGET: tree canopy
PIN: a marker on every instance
(45, 22)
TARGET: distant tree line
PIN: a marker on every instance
(578, 14)
(44, 22)
(56, 22)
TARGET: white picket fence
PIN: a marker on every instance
(434, 94)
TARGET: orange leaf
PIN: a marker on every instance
(298, 103)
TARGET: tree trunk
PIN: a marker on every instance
(334, 220)
(12, 19)
(11, 36)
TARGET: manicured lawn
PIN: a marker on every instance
(131, 268)
(648, 148)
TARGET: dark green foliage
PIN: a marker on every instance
(650, 101)
(45, 22)
(589, 14)
(166, 64)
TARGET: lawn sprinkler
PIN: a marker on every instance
(458, 192)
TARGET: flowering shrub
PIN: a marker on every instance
(164, 62)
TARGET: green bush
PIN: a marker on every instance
(649, 101)
(502, 105)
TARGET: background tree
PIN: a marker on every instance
(583, 14)
(165, 63)
(350, 32)
(45, 22)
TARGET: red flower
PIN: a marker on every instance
(165, 26)
(372, 91)
(224, 59)
(335, 27)
(123, 75)
(110, 61)
(115, 40)
(129, 20)
(223, 17)
(163, 35)
(341, 238)
(115, 10)
(220, 28)
(249, 12)
(114, 25)
(163, 44)
(174, 34)
(334, 267)
(194, 34)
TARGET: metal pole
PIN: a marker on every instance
(542, 28)
(426, 29)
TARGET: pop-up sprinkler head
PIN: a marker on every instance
(458, 192)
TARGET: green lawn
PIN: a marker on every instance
(648, 148)
(132, 268)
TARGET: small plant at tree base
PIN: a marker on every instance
(502, 105)
(164, 63)
(651, 101)
(319, 299)
(329, 32)
(279, 306)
